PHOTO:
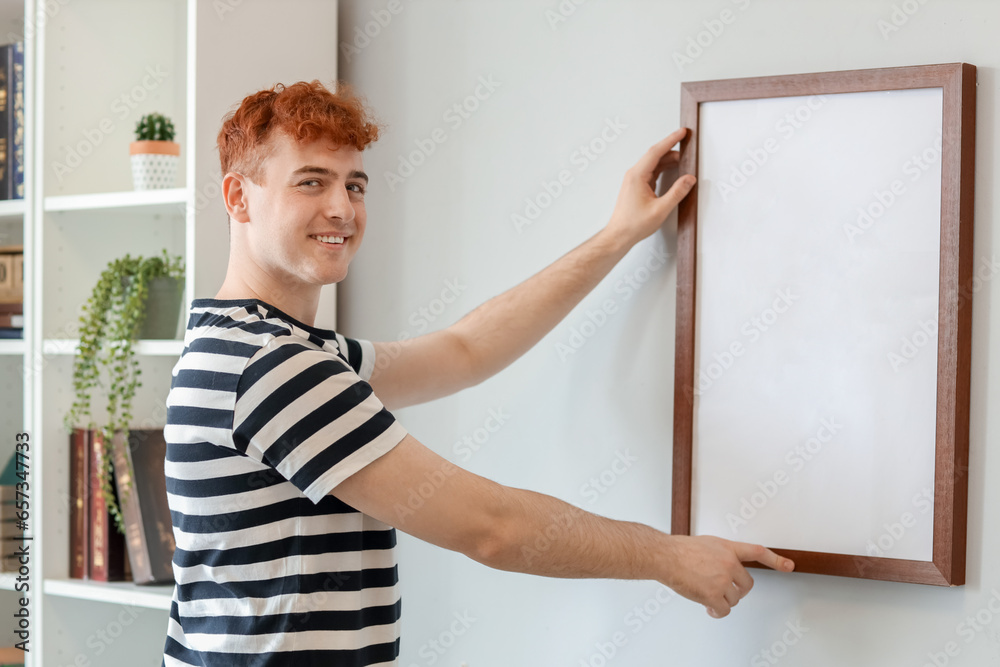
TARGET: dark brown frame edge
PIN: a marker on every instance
(958, 81)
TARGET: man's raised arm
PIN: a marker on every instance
(523, 531)
(496, 333)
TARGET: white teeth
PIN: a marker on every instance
(330, 239)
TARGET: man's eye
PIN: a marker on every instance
(360, 189)
(311, 181)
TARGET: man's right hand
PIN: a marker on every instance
(421, 493)
(710, 571)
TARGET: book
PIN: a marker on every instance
(12, 277)
(6, 76)
(16, 179)
(6, 273)
(11, 534)
(17, 271)
(11, 321)
(142, 484)
(79, 527)
(107, 545)
(11, 656)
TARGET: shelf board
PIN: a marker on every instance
(13, 346)
(11, 209)
(119, 592)
(118, 200)
(7, 581)
(147, 347)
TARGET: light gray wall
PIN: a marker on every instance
(567, 417)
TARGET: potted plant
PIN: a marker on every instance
(154, 152)
(113, 319)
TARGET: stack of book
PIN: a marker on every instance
(11, 530)
(12, 291)
(97, 550)
(12, 121)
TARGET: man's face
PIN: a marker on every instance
(308, 216)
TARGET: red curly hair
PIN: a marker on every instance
(305, 111)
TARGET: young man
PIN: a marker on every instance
(286, 472)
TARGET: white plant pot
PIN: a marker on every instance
(154, 164)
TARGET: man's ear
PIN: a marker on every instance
(235, 193)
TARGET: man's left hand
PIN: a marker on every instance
(639, 211)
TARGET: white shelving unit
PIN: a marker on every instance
(123, 593)
(95, 66)
(16, 228)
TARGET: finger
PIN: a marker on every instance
(718, 610)
(732, 596)
(743, 581)
(667, 162)
(679, 190)
(764, 556)
(647, 163)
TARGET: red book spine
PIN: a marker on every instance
(107, 545)
(79, 533)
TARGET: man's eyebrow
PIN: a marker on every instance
(323, 171)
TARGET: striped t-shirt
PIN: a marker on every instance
(265, 416)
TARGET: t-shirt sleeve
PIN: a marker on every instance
(360, 354)
(310, 416)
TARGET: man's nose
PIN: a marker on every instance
(339, 205)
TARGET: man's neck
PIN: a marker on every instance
(302, 308)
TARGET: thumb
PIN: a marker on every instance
(669, 200)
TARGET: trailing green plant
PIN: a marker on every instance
(109, 325)
(154, 127)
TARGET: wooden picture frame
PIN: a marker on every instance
(812, 181)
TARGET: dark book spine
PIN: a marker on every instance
(17, 127)
(148, 457)
(135, 537)
(79, 533)
(6, 97)
(107, 545)
(148, 529)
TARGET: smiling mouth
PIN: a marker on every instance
(330, 240)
